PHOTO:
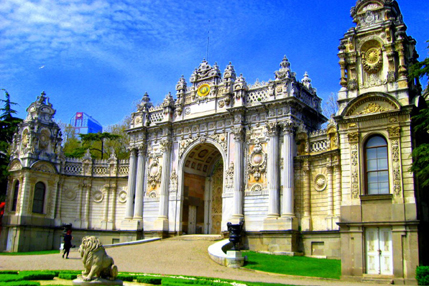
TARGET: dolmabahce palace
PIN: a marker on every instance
(221, 150)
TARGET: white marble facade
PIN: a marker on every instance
(220, 121)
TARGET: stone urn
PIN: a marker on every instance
(235, 233)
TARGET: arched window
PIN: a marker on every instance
(377, 170)
(39, 198)
(15, 196)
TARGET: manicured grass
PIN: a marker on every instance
(294, 265)
(31, 252)
(10, 279)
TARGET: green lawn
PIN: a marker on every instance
(31, 252)
(294, 265)
(45, 278)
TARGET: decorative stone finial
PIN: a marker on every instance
(306, 81)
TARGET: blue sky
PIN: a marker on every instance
(101, 56)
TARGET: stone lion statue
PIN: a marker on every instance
(96, 261)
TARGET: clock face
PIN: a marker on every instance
(203, 90)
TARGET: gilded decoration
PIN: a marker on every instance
(372, 60)
(396, 167)
(257, 162)
(203, 90)
(370, 104)
(372, 107)
(353, 137)
(394, 132)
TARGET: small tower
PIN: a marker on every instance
(39, 137)
(375, 55)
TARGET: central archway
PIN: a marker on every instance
(202, 173)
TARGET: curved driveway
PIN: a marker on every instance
(168, 256)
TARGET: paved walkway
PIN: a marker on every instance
(167, 256)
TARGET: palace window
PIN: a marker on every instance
(15, 196)
(376, 168)
(39, 198)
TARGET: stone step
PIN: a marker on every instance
(191, 237)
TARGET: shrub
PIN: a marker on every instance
(149, 280)
(8, 272)
(67, 276)
(10, 277)
(37, 275)
(422, 275)
(20, 283)
(125, 277)
(180, 281)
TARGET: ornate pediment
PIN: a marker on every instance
(44, 168)
(371, 104)
(15, 166)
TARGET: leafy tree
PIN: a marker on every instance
(100, 144)
(8, 126)
(421, 129)
(420, 69)
(90, 140)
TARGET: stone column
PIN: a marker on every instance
(337, 195)
(141, 159)
(273, 171)
(87, 190)
(106, 203)
(162, 221)
(237, 212)
(288, 188)
(131, 185)
(306, 220)
(330, 194)
(112, 212)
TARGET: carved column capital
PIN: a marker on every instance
(353, 137)
(238, 132)
(394, 132)
(287, 126)
(272, 129)
(165, 144)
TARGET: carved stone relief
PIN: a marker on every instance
(320, 182)
(173, 181)
(97, 196)
(154, 173)
(230, 176)
(122, 197)
(257, 162)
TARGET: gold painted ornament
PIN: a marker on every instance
(203, 90)
(372, 60)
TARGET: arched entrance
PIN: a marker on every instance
(203, 169)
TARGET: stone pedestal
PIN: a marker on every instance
(130, 224)
(281, 223)
(98, 281)
(234, 259)
(161, 224)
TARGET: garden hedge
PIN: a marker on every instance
(422, 275)
(149, 280)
